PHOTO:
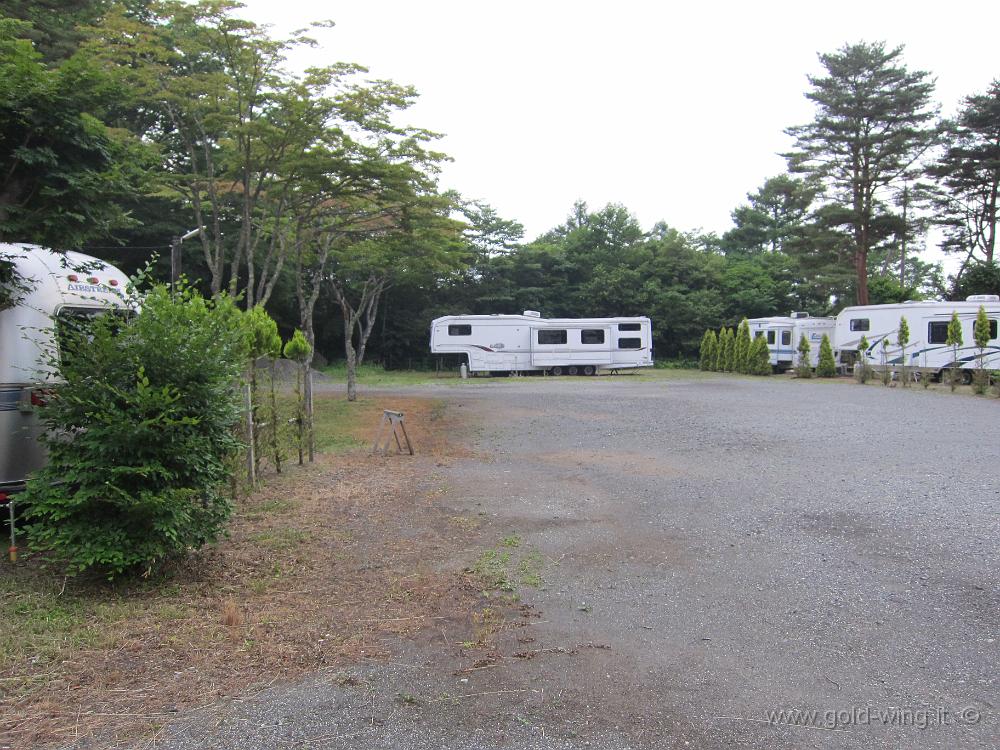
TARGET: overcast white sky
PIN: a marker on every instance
(675, 110)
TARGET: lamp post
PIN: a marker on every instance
(175, 255)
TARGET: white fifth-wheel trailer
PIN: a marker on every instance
(784, 332)
(531, 343)
(926, 353)
(59, 286)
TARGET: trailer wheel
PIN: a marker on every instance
(556, 370)
(967, 377)
(572, 370)
(589, 370)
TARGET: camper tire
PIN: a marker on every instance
(589, 370)
(556, 370)
(572, 370)
(966, 377)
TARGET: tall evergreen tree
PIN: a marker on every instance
(981, 334)
(873, 122)
(969, 174)
(741, 356)
(708, 355)
(827, 367)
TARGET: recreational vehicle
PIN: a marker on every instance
(58, 286)
(783, 335)
(926, 353)
(529, 342)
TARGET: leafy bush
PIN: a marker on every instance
(826, 367)
(862, 370)
(140, 435)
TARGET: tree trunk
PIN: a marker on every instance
(351, 356)
(251, 461)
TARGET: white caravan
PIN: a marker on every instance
(783, 334)
(59, 285)
(927, 352)
(529, 342)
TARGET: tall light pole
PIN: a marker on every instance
(175, 256)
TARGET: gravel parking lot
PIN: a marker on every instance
(725, 562)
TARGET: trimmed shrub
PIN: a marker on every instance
(729, 351)
(862, 370)
(954, 340)
(826, 367)
(152, 403)
(803, 368)
(760, 357)
(903, 338)
(981, 335)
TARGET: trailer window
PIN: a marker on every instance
(630, 326)
(74, 326)
(630, 343)
(460, 330)
(993, 329)
(860, 324)
(551, 336)
(937, 332)
(786, 338)
(592, 336)
(758, 334)
(770, 337)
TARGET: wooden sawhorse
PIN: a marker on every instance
(395, 421)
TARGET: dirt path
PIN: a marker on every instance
(670, 563)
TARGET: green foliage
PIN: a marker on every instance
(862, 369)
(873, 119)
(981, 330)
(63, 170)
(903, 339)
(263, 333)
(151, 404)
(729, 351)
(954, 340)
(826, 367)
(741, 356)
(709, 353)
(885, 372)
(977, 278)
(968, 173)
(760, 357)
(297, 348)
(803, 367)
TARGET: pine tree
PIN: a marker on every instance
(804, 368)
(903, 338)
(827, 367)
(708, 343)
(742, 357)
(760, 357)
(954, 340)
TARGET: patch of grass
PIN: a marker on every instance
(495, 570)
(375, 375)
(491, 570)
(282, 538)
(529, 570)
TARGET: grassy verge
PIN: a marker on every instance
(375, 375)
(320, 567)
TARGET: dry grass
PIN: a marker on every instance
(324, 565)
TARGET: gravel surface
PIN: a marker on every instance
(714, 549)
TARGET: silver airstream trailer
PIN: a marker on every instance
(56, 286)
